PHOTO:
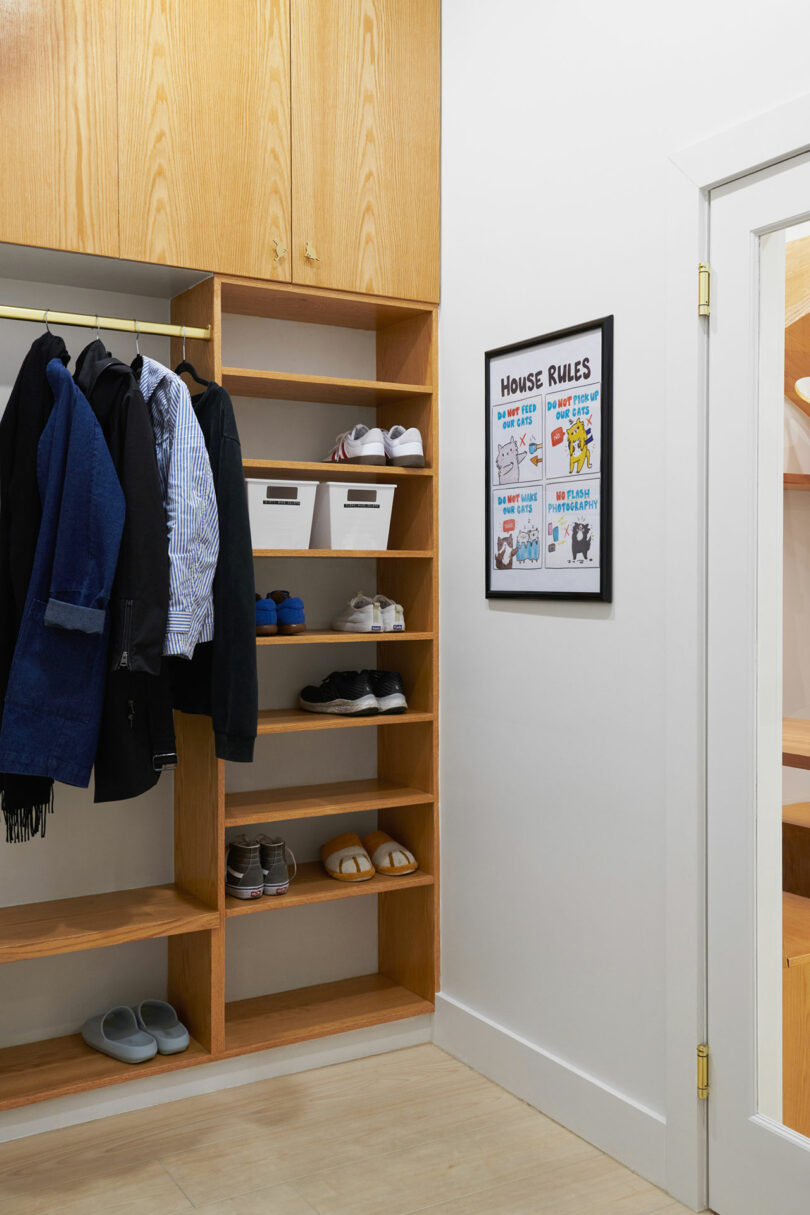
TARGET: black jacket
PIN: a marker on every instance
(136, 724)
(221, 678)
(26, 799)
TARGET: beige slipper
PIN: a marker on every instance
(345, 859)
(388, 856)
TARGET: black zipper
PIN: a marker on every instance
(126, 629)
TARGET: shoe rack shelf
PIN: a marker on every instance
(327, 636)
(313, 885)
(192, 912)
(278, 386)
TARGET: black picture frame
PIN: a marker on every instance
(604, 593)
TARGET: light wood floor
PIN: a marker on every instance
(410, 1131)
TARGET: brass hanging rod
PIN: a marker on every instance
(91, 321)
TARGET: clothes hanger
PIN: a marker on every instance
(186, 368)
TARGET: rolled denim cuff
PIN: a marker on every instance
(60, 615)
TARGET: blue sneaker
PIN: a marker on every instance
(266, 617)
(290, 612)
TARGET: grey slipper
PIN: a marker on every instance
(116, 1033)
(160, 1020)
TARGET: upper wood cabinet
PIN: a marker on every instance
(204, 134)
(365, 139)
(58, 149)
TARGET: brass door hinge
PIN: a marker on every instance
(703, 1071)
(704, 289)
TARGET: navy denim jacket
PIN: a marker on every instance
(56, 685)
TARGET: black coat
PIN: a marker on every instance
(136, 724)
(26, 799)
(221, 680)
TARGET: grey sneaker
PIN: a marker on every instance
(243, 869)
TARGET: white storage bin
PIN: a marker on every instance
(352, 516)
(280, 512)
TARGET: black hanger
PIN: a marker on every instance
(186, 368)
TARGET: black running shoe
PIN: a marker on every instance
(387, 687)
(345, 692)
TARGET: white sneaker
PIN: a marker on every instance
(392, 614)
(361, 615)
(404, 447)
(361, 446)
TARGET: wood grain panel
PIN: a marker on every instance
(316, 1012)
(38, 1071)
(365, 138)
(292, 302)
(314, 801)
(59, 164)
(196, 985)
(330, 390)
(39, 930)
(795, 742)
(796, 858)
(199, 811)
(799, 481)
(795, 930)
(200, 305)
(287, 721)
(312, 884)
(796, 1048)
(204, 134)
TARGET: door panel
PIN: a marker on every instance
(204, 130)
(756, 1163)
(58, 140)
(366, 120)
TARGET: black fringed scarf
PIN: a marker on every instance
(26, 800)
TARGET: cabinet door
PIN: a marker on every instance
(366, 121)
(58, 154)
(204, 134)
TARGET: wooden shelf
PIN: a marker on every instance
(795, 742)
(332, 472)
(335, 636)
(796, 814)
(797, 481)
(312, 306)
(317, 801)
(422, 554)
(329, 390)
(58, 1067)
(795, 930)
(39, 930)
(317, 1012)
(312, 884)
(289, 721)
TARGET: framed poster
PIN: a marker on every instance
(548, 465)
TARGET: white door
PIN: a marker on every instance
(756, 1165)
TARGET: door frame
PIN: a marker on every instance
(766, 140)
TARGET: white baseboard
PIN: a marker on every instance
(626, 1130)
(211, 1077)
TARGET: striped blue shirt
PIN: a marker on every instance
(191, 508)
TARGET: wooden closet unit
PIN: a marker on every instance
(59, 167)
(192, 912)
(365, 140)
(204, 134)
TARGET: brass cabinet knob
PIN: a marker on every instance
(310, 254)
(280, 250)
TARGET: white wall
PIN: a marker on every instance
(558, 119)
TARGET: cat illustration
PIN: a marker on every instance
(522, 547)
(508, 461)
(504, 553)
(533, 538)
(581, 541)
